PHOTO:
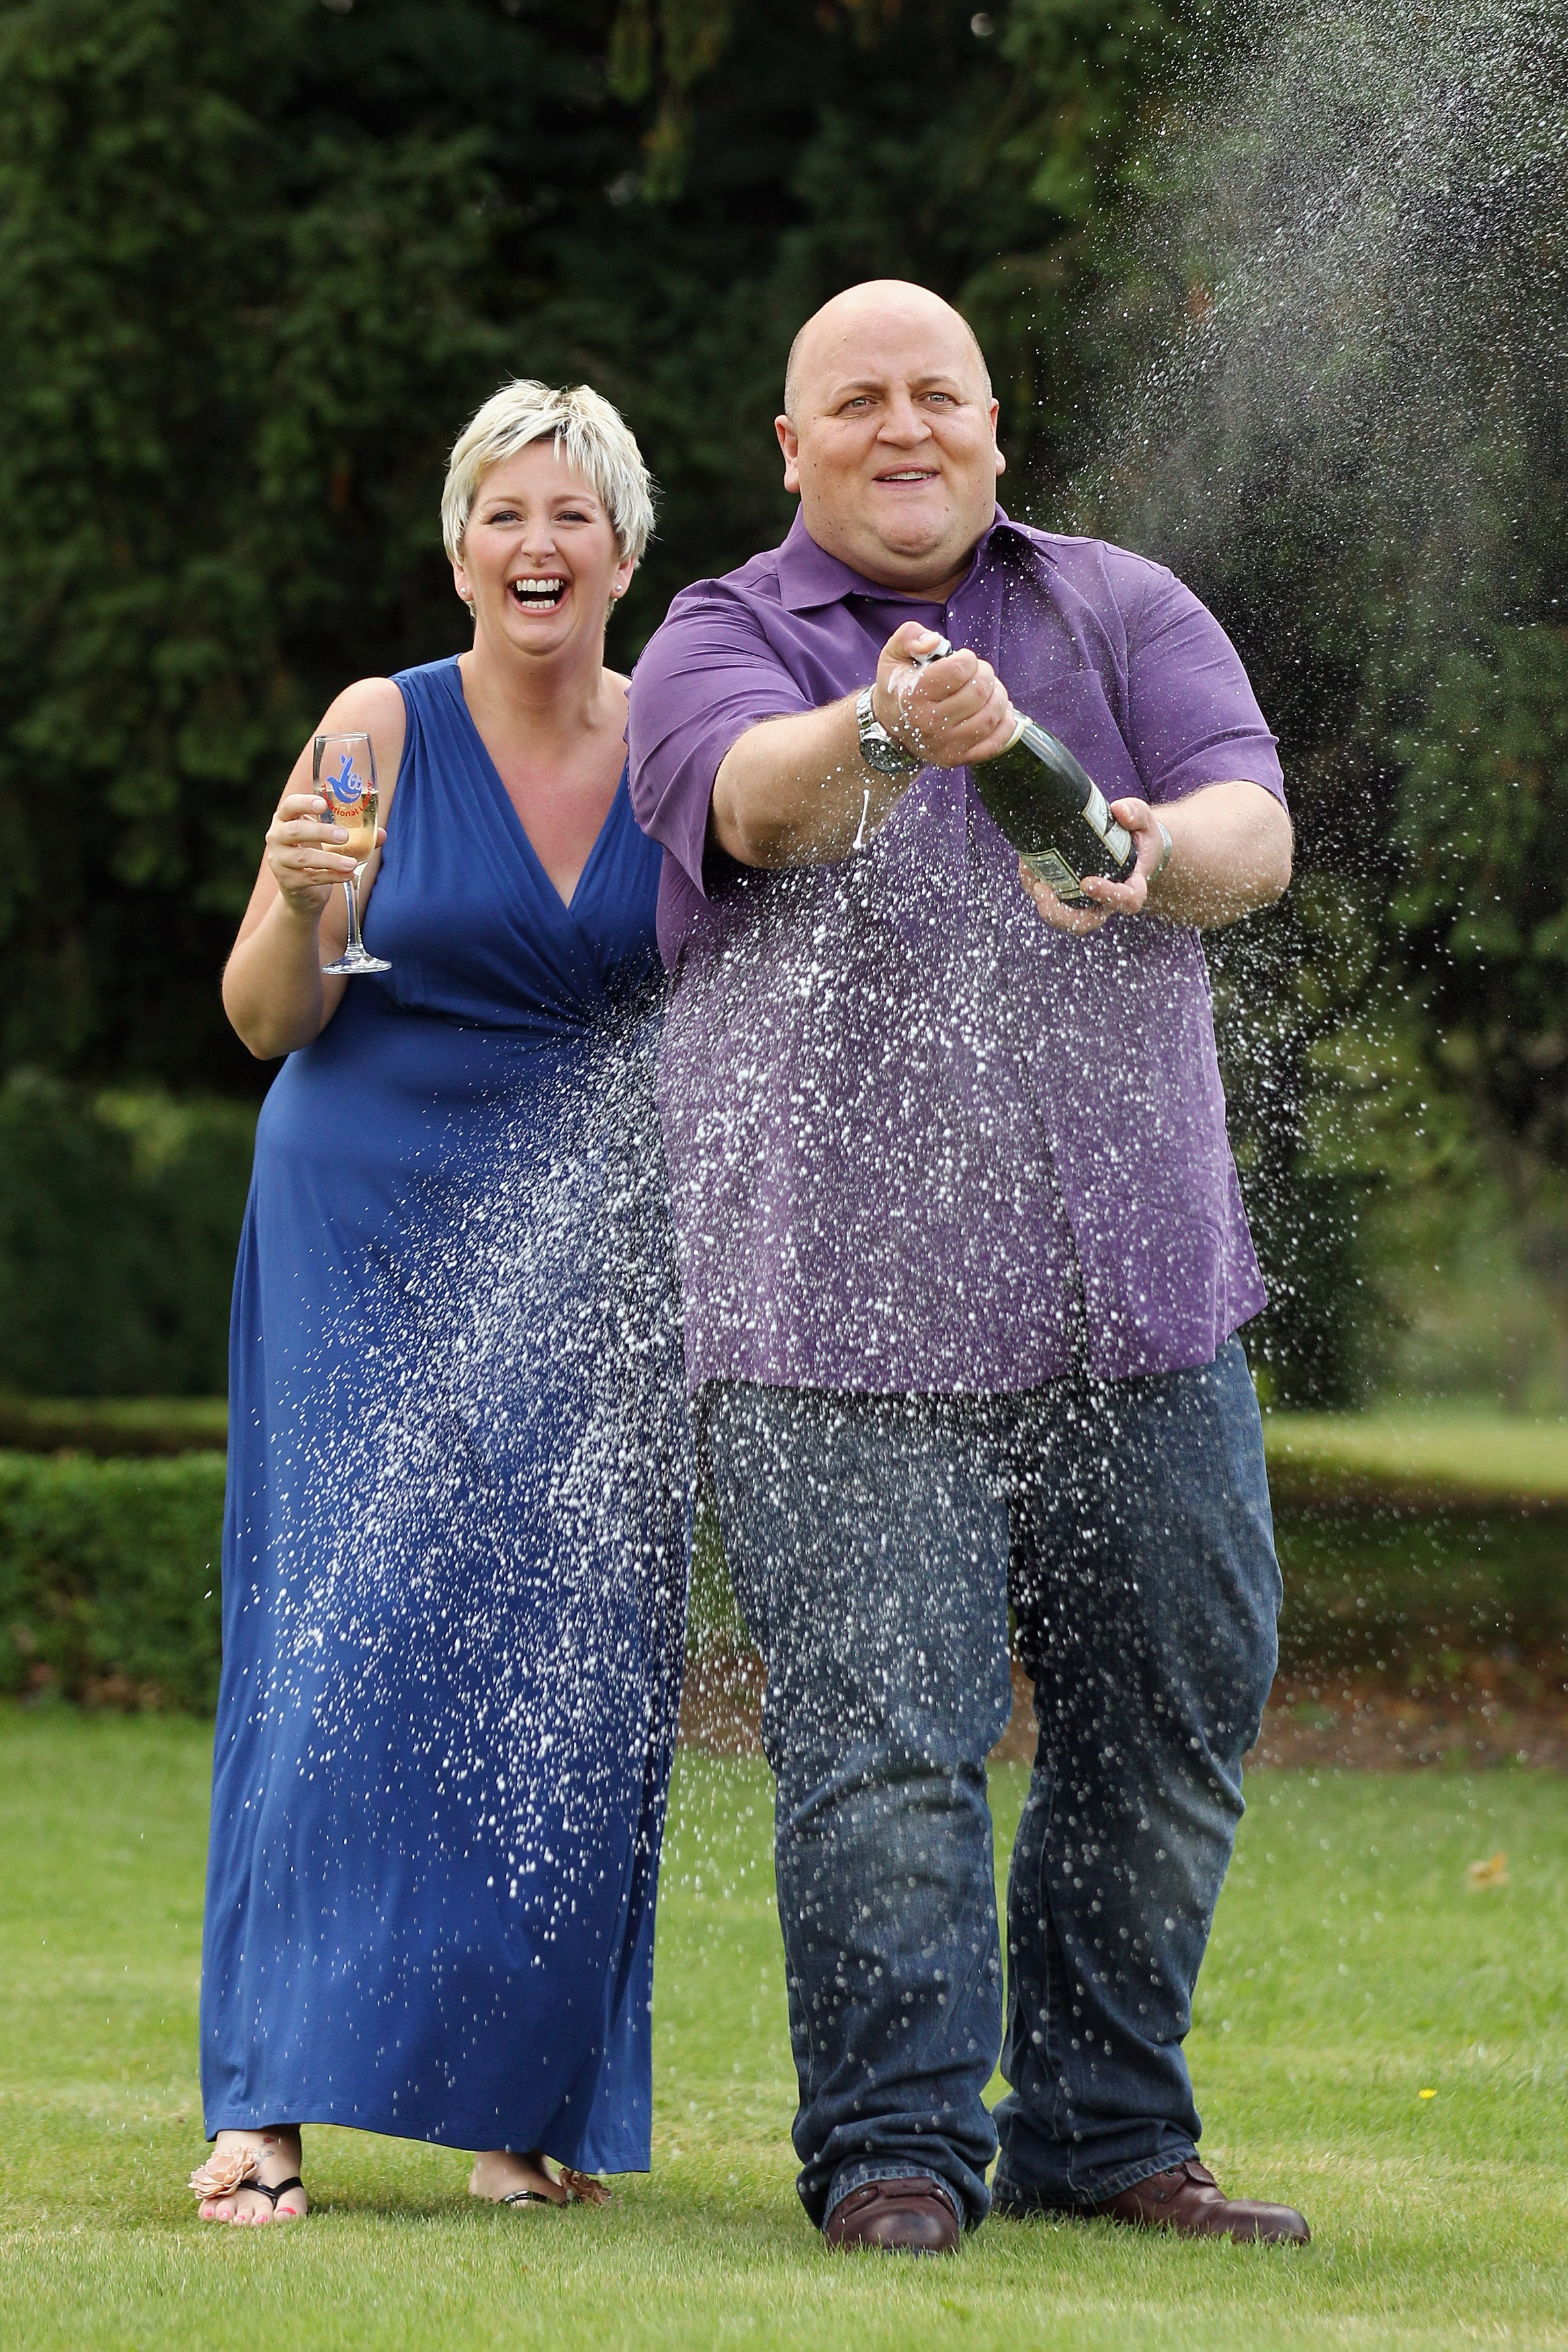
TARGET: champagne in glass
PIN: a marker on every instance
(344, 770)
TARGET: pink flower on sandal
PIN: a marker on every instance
(582, 2188)
(222, 2175)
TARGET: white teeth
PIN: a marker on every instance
(537, 591)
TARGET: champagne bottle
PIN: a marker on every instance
(1050, 808)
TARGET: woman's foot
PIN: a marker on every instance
(244, 2176)
(505, 2177)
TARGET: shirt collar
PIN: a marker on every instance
(808, 577)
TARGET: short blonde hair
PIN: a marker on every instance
(589, 436)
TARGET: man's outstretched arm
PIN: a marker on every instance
(796, 791)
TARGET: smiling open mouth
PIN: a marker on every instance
(536, 595)
(908, 474)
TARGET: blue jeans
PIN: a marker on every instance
(872, 1542)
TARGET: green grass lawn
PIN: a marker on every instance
(1353, 1968)
(1468, 1449)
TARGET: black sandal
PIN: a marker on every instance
(272, 2195)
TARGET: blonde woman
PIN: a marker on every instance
(454, 1557)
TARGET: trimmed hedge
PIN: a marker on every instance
(109, 1591)
(118, 1217)
(108, 1583)
(1410, 1592)
(1413, 1543)
(115, 1426)
(108, 1578)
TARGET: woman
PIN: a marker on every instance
(455, 1547)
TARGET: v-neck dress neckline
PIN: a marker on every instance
(487, 762)
(472, 925)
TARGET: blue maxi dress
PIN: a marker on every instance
(458, 1518)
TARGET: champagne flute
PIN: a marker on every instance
(344, 772)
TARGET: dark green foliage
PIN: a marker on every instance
(1282, 983)
(1332, 391)
(1411, 1594)
(119, 1216)
(1484, 815)
(1308, 1347)
(108, 1578)
(260, 260)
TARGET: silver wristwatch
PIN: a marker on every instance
(878, 749)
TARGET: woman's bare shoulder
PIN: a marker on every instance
(371, 703)
(373, 706)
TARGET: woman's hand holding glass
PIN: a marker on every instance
(305, 850)
(334, 836)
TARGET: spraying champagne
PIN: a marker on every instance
(1050, 807)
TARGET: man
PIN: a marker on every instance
(964, 1258)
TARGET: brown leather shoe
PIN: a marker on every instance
(1190, 2200)
(894, 2217)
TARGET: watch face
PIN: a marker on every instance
(878, 749)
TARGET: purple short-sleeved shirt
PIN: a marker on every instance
(908, 1124)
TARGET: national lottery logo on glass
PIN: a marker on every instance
(344, 773)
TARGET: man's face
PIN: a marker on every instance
(893, 443)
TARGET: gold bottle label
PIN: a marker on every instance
(1054, 869)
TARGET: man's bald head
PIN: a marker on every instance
(878, 300)
(890, 436)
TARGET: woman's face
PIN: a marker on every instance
(539, 560)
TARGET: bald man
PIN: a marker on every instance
(964, 1260)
